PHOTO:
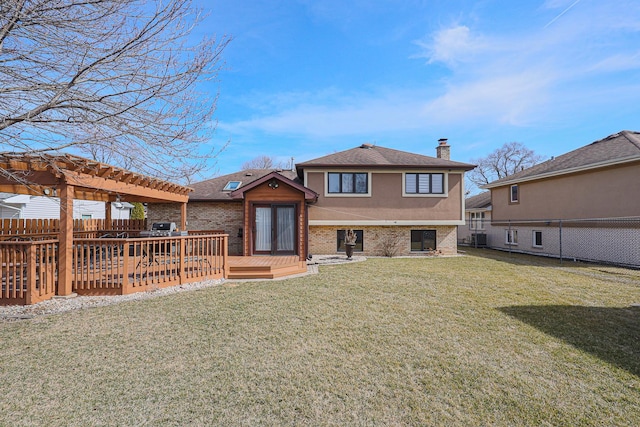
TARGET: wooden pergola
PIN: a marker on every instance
(71, 177)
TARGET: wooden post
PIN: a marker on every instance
(225, 256)
(65, 241)
(30, 298)
(107, 216)
(126, 285)
(183, 216)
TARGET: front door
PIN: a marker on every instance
(274, 231)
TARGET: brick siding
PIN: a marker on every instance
(227, 216)
(378, 239)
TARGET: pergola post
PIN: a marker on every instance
(183, 216)
(107, 216)
(65, 241)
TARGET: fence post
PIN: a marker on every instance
(32, 274)
(560, 240)
(126, 285)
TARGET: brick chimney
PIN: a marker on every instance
(443, 150)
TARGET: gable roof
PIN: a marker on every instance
(212, 189)
(368, 155)
(479, 201)
(308, 194)
(619, 148)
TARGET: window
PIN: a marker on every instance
(537, 239)
(87, 216)
(232, 185)
(476, 221)
(424, 183)
(514, 194)
(511, 237)
(423, 240)
(341, 182)
(359, 241)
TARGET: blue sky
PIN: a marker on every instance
(308, 78)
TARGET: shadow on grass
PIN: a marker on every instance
(611, 334)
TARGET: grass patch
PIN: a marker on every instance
(485, 339)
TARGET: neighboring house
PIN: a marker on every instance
(478, 220)
(584, 204)
(22, 206)
(395, 201)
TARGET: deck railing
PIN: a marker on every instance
(123, 266)
(29, 271)
(109, 266)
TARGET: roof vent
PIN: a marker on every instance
(367, 145)
(248, 174)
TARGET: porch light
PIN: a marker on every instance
(273, 184)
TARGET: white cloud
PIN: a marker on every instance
(452, 46)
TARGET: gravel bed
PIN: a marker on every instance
(61, 305)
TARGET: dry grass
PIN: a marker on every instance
(485, 339)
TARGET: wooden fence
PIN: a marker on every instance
(13, 226)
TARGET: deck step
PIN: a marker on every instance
(265, 271)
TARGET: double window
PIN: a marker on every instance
(348, 182)
(424, 183)
(511, 236)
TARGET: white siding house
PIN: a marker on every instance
(31, 207)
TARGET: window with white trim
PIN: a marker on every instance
(476, 220)
(511, 236)
(536, 239)
(424, 183)
(514, 195)
(348, 182)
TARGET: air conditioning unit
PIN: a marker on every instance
(479, 239)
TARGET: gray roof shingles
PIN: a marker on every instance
(479, 201)
(619, 147)
(368, 155)
(212, 189)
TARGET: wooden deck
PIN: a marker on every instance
(265, 267)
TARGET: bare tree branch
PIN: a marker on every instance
(262, 162)
(512, 157)
(117, 80)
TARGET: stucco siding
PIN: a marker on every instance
(605, 193)
(386, 202)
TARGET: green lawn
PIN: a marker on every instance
(484, 339)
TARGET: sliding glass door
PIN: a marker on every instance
(275, 229)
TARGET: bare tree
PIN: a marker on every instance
(115, 80)
(262, 162)
(512, 157)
